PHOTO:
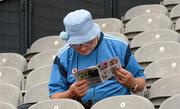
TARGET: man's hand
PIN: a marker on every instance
(125, 78)
(75, 91)
(78, 89)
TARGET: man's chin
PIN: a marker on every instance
(85, 53)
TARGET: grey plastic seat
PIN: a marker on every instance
(124, 102)
(147, 22)
(177, 25)
(161, 68)
(170, 3)
(37, 93)
(164, 88)
(58, 104)
(11, 75)
(14, 60)
(5, 105)
(41, 74)
(153, 36)
(10, 93)
(145, 9)
(118, 35)
(110, 24)
(45, 44)
(175, 13)
(171, 103)
(41, 59)
(157, 50)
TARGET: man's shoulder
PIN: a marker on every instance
(63, 50)
(115, 39)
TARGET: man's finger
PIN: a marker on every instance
(119, 74)
(123, 71)
(80, 83)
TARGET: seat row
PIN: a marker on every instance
(115, 102)
(9, 59)
(161, 87)
(147, 52)
(164, 50)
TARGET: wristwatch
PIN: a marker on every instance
(134, 88)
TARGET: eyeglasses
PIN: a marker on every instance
(87, 44)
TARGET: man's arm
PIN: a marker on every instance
(76, 91)
(126, 78)
(139, 85)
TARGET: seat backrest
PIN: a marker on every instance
(145, 9)
(154, 36)
(175, 13)
(157, 50)
(47, 43)
(37, 93)
(11, 75)
(116, 34)
(14, 60)
(171, 103)
(58, 104)
(44, 44)
(124, 102)
(147, 22)
(5, 105)
(110, 24)
(170, 3)
(10, 93)
(43, 58)
(164, 88)
(40, 74)
(161, 68)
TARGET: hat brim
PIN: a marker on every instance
(90, 35)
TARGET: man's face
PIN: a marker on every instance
(85, 48)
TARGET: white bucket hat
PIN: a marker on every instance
(79, 27)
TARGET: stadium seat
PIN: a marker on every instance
(170, 3)
(175, 13)
(5, 105)
(37, 93)
(58, 104)
(41, 59)
(124, 102)
(157, 50)
(164, 88)
(118, 35)
(14, 60)
(41, 74)
(10, 93)
(110, 24)
(153, 36)
(11, 75)
(171, 103)
(45, 44)
(145, 9)
(147, 22)
(161, 68)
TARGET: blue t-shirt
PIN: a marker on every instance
(108, 47)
